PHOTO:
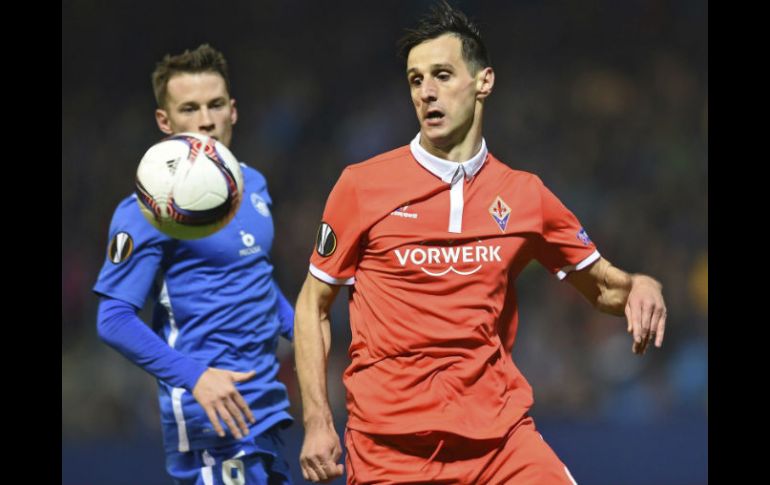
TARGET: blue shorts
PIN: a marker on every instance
(252, 461)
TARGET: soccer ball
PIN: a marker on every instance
(189, 185)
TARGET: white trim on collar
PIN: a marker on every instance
(453, 174)
(444, 169)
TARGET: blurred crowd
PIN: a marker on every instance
(606, 101)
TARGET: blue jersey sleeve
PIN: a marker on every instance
(119, 326)
(285, 309)
(285, 314)
(134, 255)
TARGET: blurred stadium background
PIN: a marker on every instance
(607, 101)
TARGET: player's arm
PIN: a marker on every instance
(312, 340)
(285, 314)
(120, 327)
(639, 297)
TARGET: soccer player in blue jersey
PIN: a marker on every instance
(218, 311)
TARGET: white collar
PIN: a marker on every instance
(448, 171)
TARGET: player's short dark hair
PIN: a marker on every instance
(203, 59)
(443, 19)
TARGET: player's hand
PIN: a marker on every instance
(646, 313)
(320, 452)
(216, 392)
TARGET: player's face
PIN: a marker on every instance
(198, 102)
(444, 91)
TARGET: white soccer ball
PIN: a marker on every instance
(189, 185)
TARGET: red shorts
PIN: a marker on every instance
(522, 457)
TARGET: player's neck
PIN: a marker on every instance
(460, 150)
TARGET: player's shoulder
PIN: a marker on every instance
(384, 162)
(128, 208)
(128, 218)
(502, 170)
(380, 168)
(251, 173)
(253, 178)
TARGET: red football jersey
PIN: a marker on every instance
(432, 249)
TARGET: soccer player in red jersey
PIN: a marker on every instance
(430, 238)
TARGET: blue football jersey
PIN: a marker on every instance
(215, 301)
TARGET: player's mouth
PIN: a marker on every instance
(434, 117)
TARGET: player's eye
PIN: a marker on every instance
(415, 81)
(443, 76)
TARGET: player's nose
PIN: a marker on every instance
(428, 91)
(206, 122)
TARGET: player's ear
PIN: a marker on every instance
(233, 112)
(163, 121)
(485, 81)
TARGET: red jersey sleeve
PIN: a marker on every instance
(564, 245)
(336, 252)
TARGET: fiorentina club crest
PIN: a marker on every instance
(500, 213)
